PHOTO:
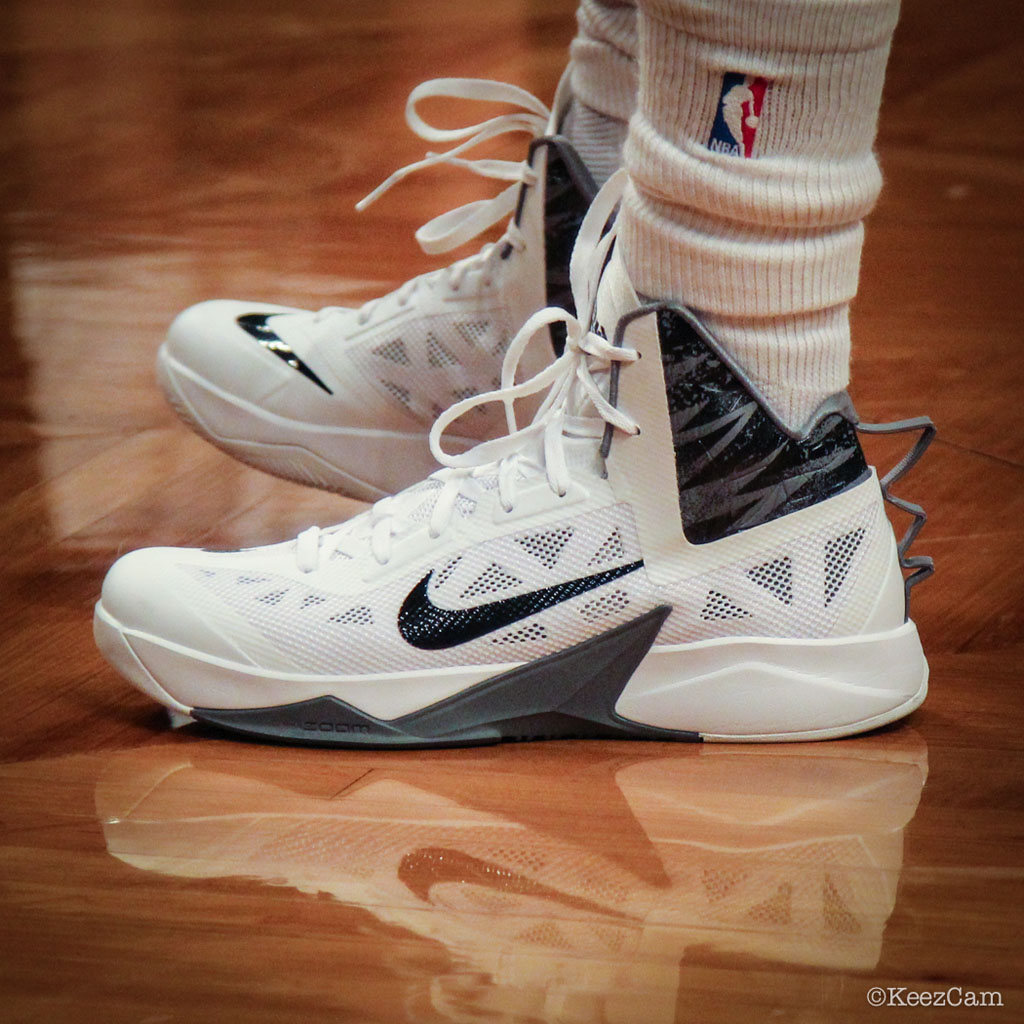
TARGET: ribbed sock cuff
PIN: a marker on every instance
(796, 362)
(602, 57)
(751, 167)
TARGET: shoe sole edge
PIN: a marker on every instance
(600, 706)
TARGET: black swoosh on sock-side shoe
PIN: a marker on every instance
(255, 324)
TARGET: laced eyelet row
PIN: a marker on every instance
(575, 405)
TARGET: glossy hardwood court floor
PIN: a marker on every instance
(156, 153)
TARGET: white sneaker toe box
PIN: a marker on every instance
(227, 344)
(148, 594)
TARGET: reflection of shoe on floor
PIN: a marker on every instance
(553, 582)
(795, 852)
(723, 856)
(343, 398)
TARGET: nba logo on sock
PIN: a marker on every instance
(738, 114)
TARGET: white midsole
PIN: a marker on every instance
(725, 689)
(770, 688)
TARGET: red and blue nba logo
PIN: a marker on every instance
(738, 114)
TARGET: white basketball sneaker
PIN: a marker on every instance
(653, 556)
(343, 398)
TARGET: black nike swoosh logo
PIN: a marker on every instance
(423, 624)
(255, 324)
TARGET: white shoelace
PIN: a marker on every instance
(575, 408)
(456, 227)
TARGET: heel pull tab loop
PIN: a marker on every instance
(920, 566)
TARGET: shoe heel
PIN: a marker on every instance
(776, 690)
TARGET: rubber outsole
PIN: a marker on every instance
(574, 693)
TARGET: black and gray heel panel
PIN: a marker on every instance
(737, 465)
(569, 190)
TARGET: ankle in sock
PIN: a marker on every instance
(604, 75)
(752, 169)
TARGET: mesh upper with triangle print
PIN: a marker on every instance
(799, 586)
(460, 357)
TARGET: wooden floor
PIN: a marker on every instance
(156, 153)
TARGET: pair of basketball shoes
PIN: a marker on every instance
(648, 552)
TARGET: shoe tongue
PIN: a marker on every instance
(615, 295)
(583, 456)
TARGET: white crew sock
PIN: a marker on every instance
(751, 168)
(603, 68)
